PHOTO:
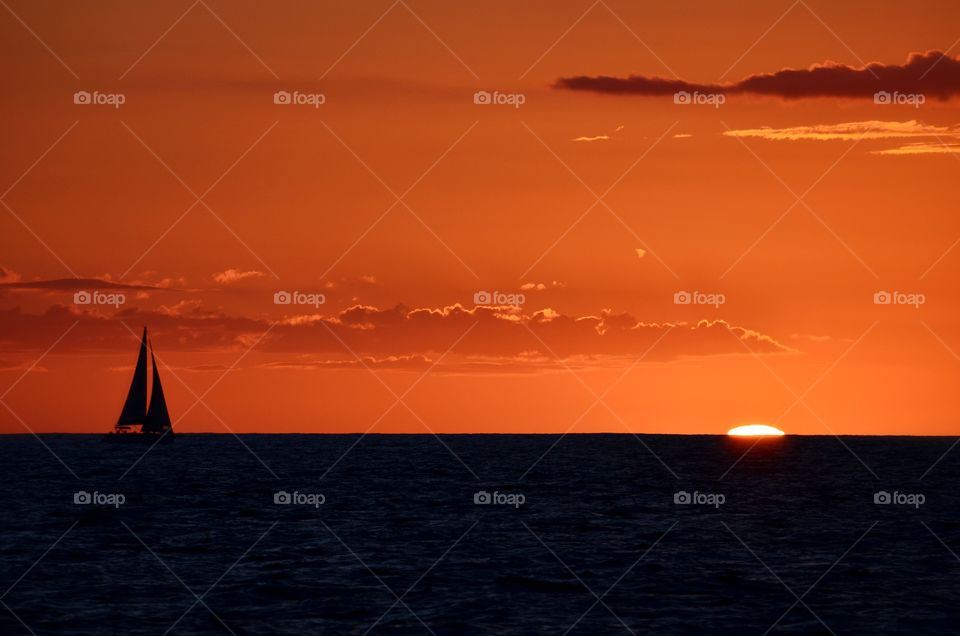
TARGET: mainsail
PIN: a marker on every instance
(135, 408)
(158, 419)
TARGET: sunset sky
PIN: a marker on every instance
(788, 207)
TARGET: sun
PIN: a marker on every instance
(755, 430)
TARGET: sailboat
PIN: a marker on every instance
(139, 422)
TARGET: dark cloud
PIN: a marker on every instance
(77, 284)
(933, 74)
(92, 331)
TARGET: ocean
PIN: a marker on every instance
(479, 534)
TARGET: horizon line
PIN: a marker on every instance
(362, 433)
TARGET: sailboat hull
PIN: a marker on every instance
(139, 438)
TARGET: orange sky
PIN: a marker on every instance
(491, 197)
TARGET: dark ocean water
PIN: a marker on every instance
(598, 520)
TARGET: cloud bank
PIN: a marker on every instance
(394, 337)
(934, 74)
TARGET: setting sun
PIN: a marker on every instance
(755, 430)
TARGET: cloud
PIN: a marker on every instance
(595, 138)
(156, 279)
(197, 368)
(451, 364)
(414, 362)
(682, 136)
(921, 149)
(932, 140)
(933, 74)
(604, 137)
(235, 276)
(181, 308)
(542, 286)
(501, 334)
(74, 284)
(353, 283)
(851, 131)
(104, 331)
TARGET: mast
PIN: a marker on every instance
(135, 408)
(158, 418)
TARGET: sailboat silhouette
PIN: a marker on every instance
(153, 420)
